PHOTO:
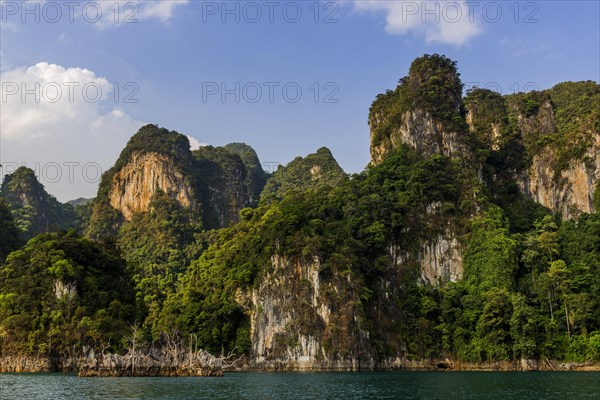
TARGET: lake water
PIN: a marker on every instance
(324, 385)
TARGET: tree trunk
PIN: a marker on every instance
(567, 320)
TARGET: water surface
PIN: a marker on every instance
(323, 385)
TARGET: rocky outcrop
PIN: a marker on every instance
(299, 321)
(256, 177)
(26, 364)
(134, 185)
(440, 259)
(222, 185)
(418, 130)
(154, 363)
(564, 186)
(571, 192)
(213, 183)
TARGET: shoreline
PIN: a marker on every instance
(84, 368)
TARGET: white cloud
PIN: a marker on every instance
(195, 144)
(101, 14)
(162, 10)
(58, 124)
(447, 22)
(136, 11)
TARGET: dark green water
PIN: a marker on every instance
(344, 386)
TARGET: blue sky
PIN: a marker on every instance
(178, 48)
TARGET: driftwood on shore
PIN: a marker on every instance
(172, 356)
(155, 362)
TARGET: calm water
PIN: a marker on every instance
(345, 386)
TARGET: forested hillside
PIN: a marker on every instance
(472, 236)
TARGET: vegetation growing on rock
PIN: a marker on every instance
(441, 248)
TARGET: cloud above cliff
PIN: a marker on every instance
(195, 144)
(58, 121)
(446, 22)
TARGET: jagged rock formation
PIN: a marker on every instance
(213, 184)
(316, 169)
(563, 182)
(559, 132)
(145, 175)
(572, 191)
(417, 129)
(164, 361)
(33, 209)
(545, 143)
(256, 177)
(425, 112)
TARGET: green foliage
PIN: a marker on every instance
(60, 292)
(158, 246)
(256, 177)
(433, 86)
(35, 211)
(9, 233)
(312, 171)
(220, 177)
(491, 254)
(151, 138)
(205, 303)
(531, 286)
(562, 120)
(487, 109)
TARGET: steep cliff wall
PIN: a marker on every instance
(134, 185)
(572, 191)
(565, 186)
(213, 183)
(302, 321)
(547, 143)
(419, 130)
(223, 181)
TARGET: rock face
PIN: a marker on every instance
(441, 260)
(417, 129)
(26, 364)
(256, 177)
(223, 185)
(570, 190)
(557, 129)
(141, 178)
(213, 183)
(300, 321)
(569, 194)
